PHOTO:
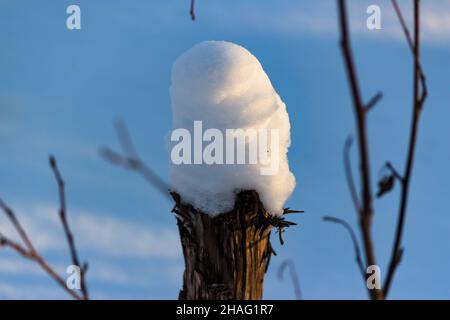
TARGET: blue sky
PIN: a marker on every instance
(60, 91)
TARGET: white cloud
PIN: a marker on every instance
(283, 20)
(137, 276)
(122, 255)
(30, 291)
(118, 238)
(95, 233)
(320, 19)
(107, 279)
(436, 24)
(18, 266)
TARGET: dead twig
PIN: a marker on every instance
(192, 10)
(360, 110)
(412, 46)
(386, 184)
(29, 251)
(358, 256)
(349, 175)
(131, 160)
(419, 96)
(16, 224)
(289, 264)
(372, 102)
(394, 172)
(67, 231)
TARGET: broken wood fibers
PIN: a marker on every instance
(226, 255)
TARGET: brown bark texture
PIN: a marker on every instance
(226, 255)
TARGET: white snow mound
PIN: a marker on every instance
(225, 87)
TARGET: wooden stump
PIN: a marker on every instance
(226, 256)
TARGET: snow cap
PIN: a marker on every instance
(225, 87)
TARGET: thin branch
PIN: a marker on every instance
(418, 65)
(358, 108)
(31, 253)
(349, 175)
(12, 217)
(192, 10)
(65, 224)
(352, 234)
(294, 278)
(394, 172)
(126, 143)
(372, 102)
(131, 160)
(365, 214)
(289, 211)
(403, 24)
(418, 101)
(5, 242)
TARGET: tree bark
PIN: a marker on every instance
(227, 255)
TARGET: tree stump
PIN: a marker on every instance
(227, 255)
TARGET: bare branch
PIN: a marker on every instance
(395, 172)
(403, 24)
(348, 174)
(411, 45)
(5, 242)
(365, 214)
(126, 143)
(352, 234)
(289, 211)
(65, 224)
(131, 160)
(31, 253)
(418, 101)
(192, 10)
(372, 102)
(420, 93)
(288, 263)
(12, 217)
